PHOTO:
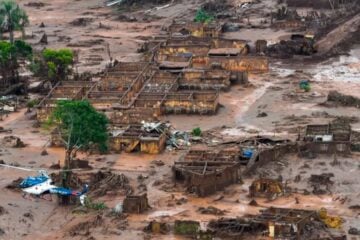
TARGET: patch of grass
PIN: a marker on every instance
(98, 206)
(203, 16)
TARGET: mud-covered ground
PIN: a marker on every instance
(276, 93)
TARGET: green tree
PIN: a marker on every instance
(12, 18)
(203, 16)
(55, 64)
(80, 127)
(10, 54)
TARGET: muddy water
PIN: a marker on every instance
(342, 69)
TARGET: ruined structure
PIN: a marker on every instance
(268, 188)
(275, 223)
(182, 72)
(66, 90)
(135, 203)
(205, 172)
(135, 138)
(327, 138)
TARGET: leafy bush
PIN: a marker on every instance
(196, 132)
(203, 17)
(53, 64)
(32, 103)
(98, 206)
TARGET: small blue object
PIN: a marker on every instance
(61, 191)
(32, 181)
(247, 153)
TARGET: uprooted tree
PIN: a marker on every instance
(54, 65)
(80, 127)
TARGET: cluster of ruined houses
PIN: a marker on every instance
(183, 71)
(205, 171)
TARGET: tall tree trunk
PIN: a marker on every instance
(66, 176)
(11, 34)
(23, 33)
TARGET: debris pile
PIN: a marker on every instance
(343, 100)
(157, 228)
(103, 183)
(14, 185)
(85, 228)
(211, 210)
(13, 142)
(136, 203)
(321, 183)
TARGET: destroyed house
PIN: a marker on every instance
(273, 223)
(327, 138)
(136, 203)
(204, 172)
(211, 79)
(230, 63)
(120, 85)
(284, 223)
(135, 138)
(194, 29)
(65, 90)
(258, 151)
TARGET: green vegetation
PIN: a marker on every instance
(203, 16)
(196, 132)
(186, 227)
(32, 103)
(10, 54)
(54, 65)
(98, 206)
(80, 127)
(12, 18)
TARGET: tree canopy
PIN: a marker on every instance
(54, 64)
(12, 18)
(10, 53)
(80, 125)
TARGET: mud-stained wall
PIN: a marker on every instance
(132, 115)
(153, 145)
(272, 154)
(205, 80)
(343, 148)
(209, 183)
(251, 64)
(135, 204)
(204, 103)
(196, 29)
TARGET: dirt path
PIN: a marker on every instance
(339, 34)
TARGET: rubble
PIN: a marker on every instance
(319, 182)
(3, 211)
(269, 188)
(103, 183)
(85, 228)
(354, 231)
(13, 142)
(81, 21)
(136, 203)
(157, 227)
(206, 172)
(339, 99)
(14, 185)
(211, 210)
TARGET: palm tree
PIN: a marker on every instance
(12, 18)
